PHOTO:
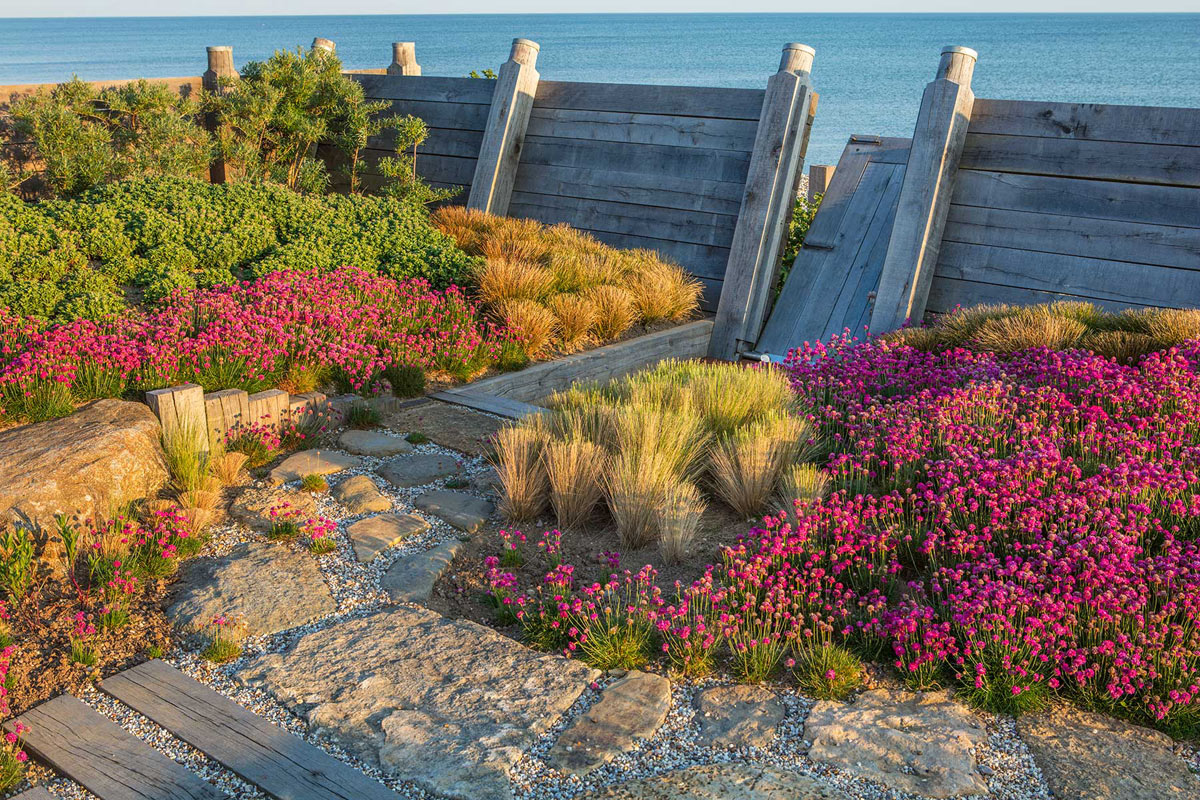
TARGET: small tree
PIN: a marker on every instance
(75, 137)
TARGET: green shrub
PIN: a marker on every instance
(143, 239)
(406, 380)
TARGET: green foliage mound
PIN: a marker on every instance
(137, 241)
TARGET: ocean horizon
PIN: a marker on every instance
(870, 69)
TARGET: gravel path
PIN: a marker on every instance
(1010, 770)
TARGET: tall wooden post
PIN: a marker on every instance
(220, 70)
(404, 59)
(819, 176)
(500, 152)
(321, 43)
(924, 204)
(758, 238)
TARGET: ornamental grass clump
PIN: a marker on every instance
(575, 468)
(748, 464)
(677, 520)
(521, 470)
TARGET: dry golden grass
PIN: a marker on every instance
(575, 468)
(1031, 327)
(1171, 327)
(466, 226)
(1089, 314)
(593, 422)
(663, 291)
(747, 465)
(1124, 347)
(502, 279)
(199, 498)
(804, 482)
(228, 468)
(534, 324)
(678, 519)
(576, 317)
(614, 310)
(521, 470)
(960, 327)
(926, 339)
(515, 239)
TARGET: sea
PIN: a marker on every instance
(870, 69)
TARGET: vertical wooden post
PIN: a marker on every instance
(180, 410)
(758, 237)
(500, 152)
(924, 204)
(220, 69)
(404, 59)
(321, 43)
(819, 176)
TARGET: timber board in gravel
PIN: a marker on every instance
(282, 765)
(107, 760)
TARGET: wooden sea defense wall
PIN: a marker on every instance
(704, 176)
(1018, 201)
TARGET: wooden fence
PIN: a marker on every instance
(704, 176)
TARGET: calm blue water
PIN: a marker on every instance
(870, 68)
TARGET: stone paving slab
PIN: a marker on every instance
(720, 782)
(373, 535)
(738, 716)
(418, 469)
(447, 704)
(360, 495)
(411, 578)
(631, 709)
(312, 462)
(464, 511)
(379, 444)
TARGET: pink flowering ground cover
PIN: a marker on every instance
(296, 327)
(1015, 527)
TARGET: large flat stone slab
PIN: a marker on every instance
(418, 470)
(738, 716)
(373, 535)
(360, 495)
(464, 511)
(922, 743)
(252, 507)
(1085, 756)
(411, 579)
(450, 426)
(447, 704)
(630, 710)
(94, 460)
(312, 462)
(722, 782)
(378, 444)
(270, 586)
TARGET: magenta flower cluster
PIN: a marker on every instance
(1014, 526)
(248, 335)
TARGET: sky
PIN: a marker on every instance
(136, 8)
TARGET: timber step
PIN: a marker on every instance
(280, 764)
(113, 764)
(106, 759)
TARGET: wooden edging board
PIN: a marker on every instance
(514, 393)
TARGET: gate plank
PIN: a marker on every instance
(106, 759)
(282, 765)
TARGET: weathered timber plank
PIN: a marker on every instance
(1112, 123)
(933, 163)
(106, 759)
(851, 310)
(949, 293)
(441, 142)
(1170, 165)
(688, 194)
(823, 232)
(1094, 278)
(282, 765)
(697, 227)
(539, 381)
(701, 260)
(455, 116)
(1077, 236)
(825, 280)
(492, 404)
(426, 88)
(648, 159)
(1126, 202)
(663, 129)
(684, 101)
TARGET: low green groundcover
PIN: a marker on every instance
(137, 241)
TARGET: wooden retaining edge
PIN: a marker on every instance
(539, 381)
